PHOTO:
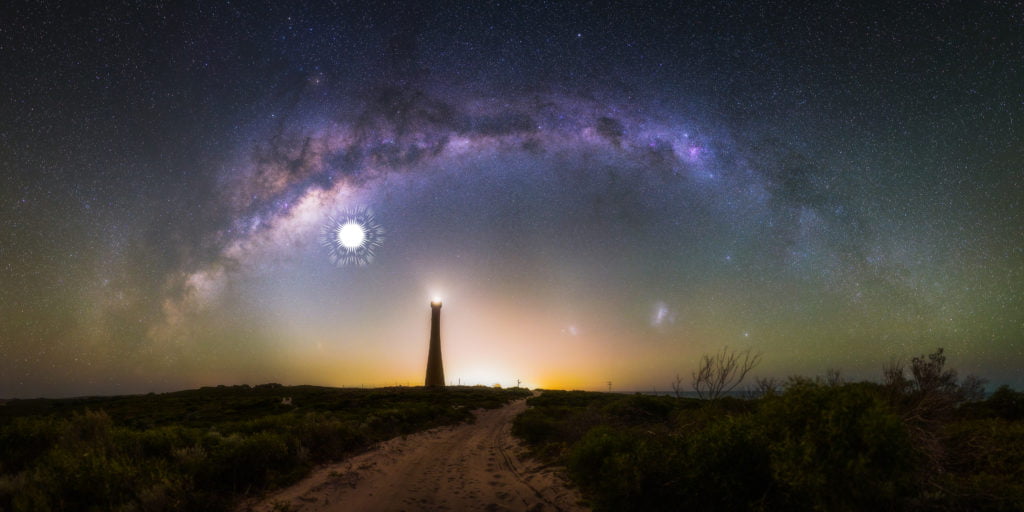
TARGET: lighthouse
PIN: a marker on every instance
(435, 368)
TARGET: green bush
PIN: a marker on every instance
(1007, 404)
(726, 466)
(327, 438)
(240, 463)
(986, 465)
(24, 440)
(1004, 403)
(573, 399)
(640, 409)
(837, 447)
(537, 426)
(100, 480)
(812, 447)
(623, 470)
(723, 467)
(160, 442)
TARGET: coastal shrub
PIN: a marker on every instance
(726, 466)
(837, 447)
(239, 463)
(1007, 404)
(24, 440)
(538, 426)
(160, 442)
(326, 437)
(571, 399)
(640, 409)
(560, 418)
(1004, 403)
(985, 466)
(199, 450)
(814, 445)
(624, 470)
(95, 477)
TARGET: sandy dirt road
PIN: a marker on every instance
(466, 467)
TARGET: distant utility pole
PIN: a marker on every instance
(609, 386)
(518, 382)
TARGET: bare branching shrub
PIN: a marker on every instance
(894, 379)
(722, 372)
(931, 374)
(894, 374)
(972, 388)
(677, 386)
(926, 402)
(766, 386)
(833, 377)
(762, 387)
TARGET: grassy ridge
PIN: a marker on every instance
(202, 449)
(812, 446)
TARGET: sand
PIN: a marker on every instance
(476, 466)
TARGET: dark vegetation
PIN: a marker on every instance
(920, 440)
(720, 373)
(202, 449)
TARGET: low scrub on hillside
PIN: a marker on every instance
(202, 449)
(914, 444)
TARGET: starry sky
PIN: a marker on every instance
(597, 193)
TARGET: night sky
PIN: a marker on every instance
(597, 194)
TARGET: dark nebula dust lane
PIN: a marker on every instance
(597, 193)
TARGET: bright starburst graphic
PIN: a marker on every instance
(352, 238)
